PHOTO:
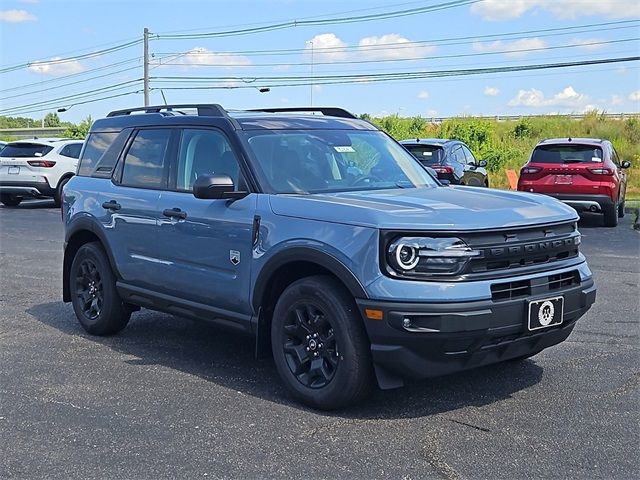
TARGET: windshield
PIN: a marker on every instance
(566, 154)
(426, 154)
(18, 150)
(319, 161)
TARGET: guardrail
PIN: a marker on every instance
(21, 133)
(504, 118)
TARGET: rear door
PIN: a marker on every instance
(24, 161)
(567, 168)
(130, 206)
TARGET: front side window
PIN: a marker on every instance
(567, 154)
(204, 152)
(24, 149)
(145, 160)
(319, 161)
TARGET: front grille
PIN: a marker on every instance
(524, 288)
(510, 250)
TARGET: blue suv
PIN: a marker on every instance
(321, 237)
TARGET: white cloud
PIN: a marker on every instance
(432, 113)
(392, 46)
(203, 57)
(616, 100)
(326, 47)
(16, 16)
(423, 95)
(517, 48)
(56, 66)
(497, 10)
(491, 91)
(635, 96)
(567, 98)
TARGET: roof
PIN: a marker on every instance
(48, 141)
(579, 140)
(267, 119)
(427, 141)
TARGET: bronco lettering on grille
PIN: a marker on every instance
(530, 247)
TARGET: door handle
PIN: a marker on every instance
(111, 205)
(174, 213)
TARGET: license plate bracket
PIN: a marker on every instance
(564, 179)
(13, 170)
(545, 313)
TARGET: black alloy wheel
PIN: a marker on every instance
(310, 346)
(89, 289)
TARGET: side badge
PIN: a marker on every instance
(234, 256)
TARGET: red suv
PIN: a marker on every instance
(585, 173)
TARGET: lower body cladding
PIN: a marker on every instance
(26, 189)
(419, 340)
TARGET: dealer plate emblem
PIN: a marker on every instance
(545, 314)
(234, 257)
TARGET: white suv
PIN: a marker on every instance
(37, 168)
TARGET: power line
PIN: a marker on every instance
(59, 61)
(326, 21)
(585, 28)
(408, 59)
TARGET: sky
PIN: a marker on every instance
(87, 56)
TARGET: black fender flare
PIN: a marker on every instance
(305, 254)
(88, 224)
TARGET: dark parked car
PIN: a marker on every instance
(452, 160)
(585, 173)
(320, 237)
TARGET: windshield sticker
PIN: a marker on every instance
(428, 154)
(596, 159)
(344, 149)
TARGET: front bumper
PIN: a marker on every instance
(443, 338)
(28, 189)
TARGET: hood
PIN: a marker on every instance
(438, 208)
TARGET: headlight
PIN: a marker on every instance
(426, 256)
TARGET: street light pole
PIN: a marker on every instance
(310, 42)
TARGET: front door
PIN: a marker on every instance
(206, 244)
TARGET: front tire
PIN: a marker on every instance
(621, 210)
(319, 344)
(10, 200)
(95, 300)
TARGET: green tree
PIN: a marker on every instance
(79, 131)
(51, 120)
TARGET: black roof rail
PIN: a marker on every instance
(329, 111)
(204, 110)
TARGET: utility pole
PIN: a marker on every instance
(146, 66)
(310, 42)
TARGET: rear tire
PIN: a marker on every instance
(319, 344)
(95, 300)
(10, 200)
(57, 196)
(611, 215)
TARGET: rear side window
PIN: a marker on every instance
(95, 146)
(18, 150)
(427, 154)
(144, 163)
(72, 150)
(566, 154)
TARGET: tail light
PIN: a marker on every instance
(529, 170)
(601, 171)
(443, 169)
(41, 163)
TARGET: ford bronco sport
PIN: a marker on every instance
(321, 237)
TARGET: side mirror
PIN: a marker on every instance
(445, 183)
(482, 163)
(626, 164)
(215, 187)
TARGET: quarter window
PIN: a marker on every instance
(72, 150)
(469, 156)
(145, 160)
(96, 144)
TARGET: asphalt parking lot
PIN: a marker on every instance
(173, 398)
